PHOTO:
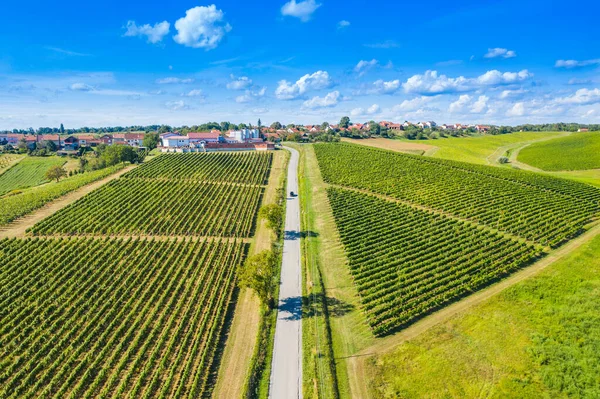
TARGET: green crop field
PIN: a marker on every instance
(440, 229)
(147, 201)
(408, 262)
(7, 160)
(29, 172)
(578, 151)
(112, 318)
(539, 208)
(17, 205)
(538, 339)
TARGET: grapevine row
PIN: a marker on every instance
(112, 317)
(407, 262)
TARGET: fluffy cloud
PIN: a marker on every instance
(412, 105)
(467, 103)
(154, 34)
(383, 87)
(517, 110)
(459, 105)
(194, 93)
(288, 91)
(239, 83)
(576, 81)
(581, 97)
(202, 27)
(500, 53)
(383, 45)
(364, 66)
(251, 95)
(569, 64)
(372, 110)
(81, 87)
(302, 10)
(431, 82)
(330, 100)
(512, 93)
(170, 80)
(480, 106)
(176, 105)
(343, 24)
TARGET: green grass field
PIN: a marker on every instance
(540, 338)
(579, 151)
(484, 149)
(29, 172)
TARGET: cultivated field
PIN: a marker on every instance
(538, 339)
(538, 208)
(407, 262)
(29, 172)
(130, 316)
(20, 204)
(7, 160)
(112, 318)
(578, 151)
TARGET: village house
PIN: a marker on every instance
(131, 139)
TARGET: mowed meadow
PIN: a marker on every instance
(140, 309)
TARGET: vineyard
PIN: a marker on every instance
(245, 167)
(159, 207)
(148, 201)
(7, 160)
(17, 205)
(578, 151)
(29, 172)
(408, 262)
(420, 233)
(541, 209)
(85, 317)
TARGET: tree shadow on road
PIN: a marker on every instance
(294, 234)
(296, 308)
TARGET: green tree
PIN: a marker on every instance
(62, 129)
(273, 214)
(164, 129)
(50, 145)
(259, 123)
(345, 122)
(114, 154)
(259, 273)
(22, 144)
(374, 128)
(150, 140)
(55, 173)
(275, 125)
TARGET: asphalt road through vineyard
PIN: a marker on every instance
(286, 370)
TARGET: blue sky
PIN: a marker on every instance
(187, 62)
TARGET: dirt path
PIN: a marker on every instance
(357, 363)
(18, 227)
(243, 333)
(395, 145)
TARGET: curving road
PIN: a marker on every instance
(286, 367)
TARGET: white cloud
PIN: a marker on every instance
(364, 66)
(239, 83)
(433, 83)
(202, 27)
(383, 45)
(576, 81)
(372, 110)
(581, 97)
(480, 105)
(383, 87)
(177, 105)
(171, 80)
(330, 100)
(288, 91)
(343, 24)
(459, 105)
(194, 93)
(512, 93)
(411, 105)
(68, 52)
(81, 87)
(500, 53)
(154, 34)
(302, 10)
(517, 110)
(251, 95)
(569, 64)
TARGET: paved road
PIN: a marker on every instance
(286, 368)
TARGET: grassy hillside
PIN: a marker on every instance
(479, 149)
(28, 172)
(579, 151)
(7, 160)
(540, 338)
